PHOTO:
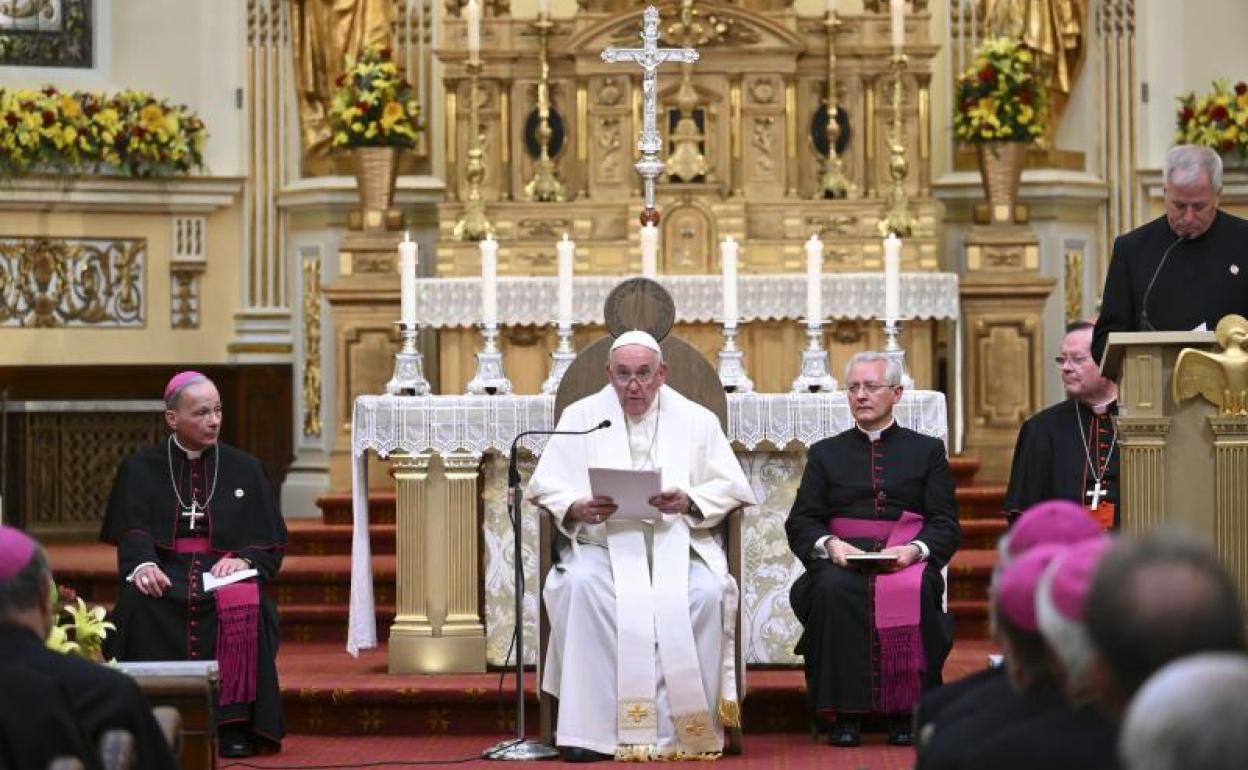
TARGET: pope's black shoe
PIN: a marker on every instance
(900, 731)
(846, 732)
(578, 754)
(236, 742)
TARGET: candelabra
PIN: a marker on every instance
(560, 358)
(897, 216)
(489, 378)
(814, 376)
(473, 224)
(893, 349)
(732, 363)
(544, 186)
(835, 184)
(409, 376)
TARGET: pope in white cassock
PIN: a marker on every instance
(642, 613)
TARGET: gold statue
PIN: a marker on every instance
(1055, 31)
(1222, 378)
(325, 33)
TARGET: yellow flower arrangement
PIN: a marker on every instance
(130, 133)
(999, 98)
(373, 106)
(79, 630)
(1218, 119)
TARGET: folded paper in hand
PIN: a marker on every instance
(212, 583)
(630, 490)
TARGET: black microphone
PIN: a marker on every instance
(513, 474)
(1144, 322)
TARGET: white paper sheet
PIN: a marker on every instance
(630, 490)
(212, 583)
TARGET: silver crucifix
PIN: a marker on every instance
(194, 513)
(649, 56)
(1096, 493)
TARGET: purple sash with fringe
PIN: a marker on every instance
(902, 661)
(238, 632)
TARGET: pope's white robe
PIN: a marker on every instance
(662, 681)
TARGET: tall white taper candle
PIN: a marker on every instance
(407, 280)
(566, 249)
(489, 280)
(649, 250)
(892, 277)
(472, 18)
(899, 25)
(814, 280)
(728, 256)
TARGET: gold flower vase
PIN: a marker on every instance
(1001, 167)
(376, 169)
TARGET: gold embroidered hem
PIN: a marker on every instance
(729, 713)
(636, 714)
(640, 753)
(696, 733)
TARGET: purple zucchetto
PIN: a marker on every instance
(1071, 573)
(179, 380)
(1016, 587)
(16, 550)
(1052, 521)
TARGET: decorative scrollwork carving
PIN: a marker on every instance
(48, 282)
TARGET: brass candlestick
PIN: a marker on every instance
(834, 184)
(897, 215)
(473, 224)
(544, 186)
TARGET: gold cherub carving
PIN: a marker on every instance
(1222, 378)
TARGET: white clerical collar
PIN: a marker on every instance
(1103, 407)
(874, 435)
(193, 454)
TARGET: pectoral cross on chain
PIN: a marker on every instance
(649, 56)
(194, 513)
(1096, 493)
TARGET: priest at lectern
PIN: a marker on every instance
(642, 613)
(1183, 271)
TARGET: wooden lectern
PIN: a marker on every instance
(1181, 464)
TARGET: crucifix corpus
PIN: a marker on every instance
(649, 56)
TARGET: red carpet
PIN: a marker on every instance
(775, 750)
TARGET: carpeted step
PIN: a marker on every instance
(336, 508)
(324, 623)
(312, 537)
(981, 533)
(970, 619)
(964, 468)
(981, 501)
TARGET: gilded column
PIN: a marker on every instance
(1142, 441)
(411, 620)
(462, 565)
(1230, 446)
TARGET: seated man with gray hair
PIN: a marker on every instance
(1184, 270)
(875, 632)
(1190, 715)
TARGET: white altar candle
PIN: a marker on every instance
(407, 281)
(814, 280)
(566, 250)
(543, 8)
(472, 18)
(649, 250)
(892, 277)
(728, 256)
(489, 280)
(899, 24)
(831, 7)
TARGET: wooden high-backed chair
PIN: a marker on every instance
(640, 303)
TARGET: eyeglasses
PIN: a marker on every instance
(1075, 359)
(870, 388)
(623, 377)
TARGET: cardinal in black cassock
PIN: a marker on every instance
(1069, 451)
(58, 705)
(188, 506)
(873, 642)
(1205, 273)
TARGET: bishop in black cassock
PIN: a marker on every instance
(184, 511)
(1069, 451)
(868, 477)
(1205, 273)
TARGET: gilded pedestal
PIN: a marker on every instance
(1230, 446)
(411, 630)
(1142, 443)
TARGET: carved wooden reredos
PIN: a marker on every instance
(759, 82)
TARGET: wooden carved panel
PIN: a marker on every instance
(1003, 356)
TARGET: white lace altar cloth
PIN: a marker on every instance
(524, 301)
(771, 431)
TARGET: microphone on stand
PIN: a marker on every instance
(1144, 322)
(520, 748)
